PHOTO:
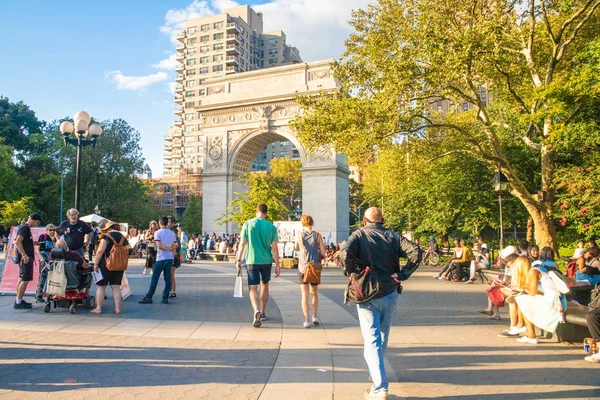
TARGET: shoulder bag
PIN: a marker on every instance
(363, 285)
(312, 275)
(118, 257)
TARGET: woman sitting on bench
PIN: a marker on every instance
(588, 267)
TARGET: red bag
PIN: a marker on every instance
(572, 268)
(496, 296)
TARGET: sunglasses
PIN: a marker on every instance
(51, 230)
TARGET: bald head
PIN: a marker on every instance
(61, 244)
(373, 214)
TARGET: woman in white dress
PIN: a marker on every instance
(540, 303)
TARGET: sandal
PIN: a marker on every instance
(496, 317)
(486, 312)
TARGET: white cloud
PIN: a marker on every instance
(168, 64)
(125, 82)
(172, 86)
(305, 22)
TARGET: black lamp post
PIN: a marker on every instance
(500, 185)
(81, 130)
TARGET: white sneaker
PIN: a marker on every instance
(316, 321)
(145, 271)
(306, 324)
(151, 271)
(594, 358)
(525, 339)
(516, 331)
(437, 277)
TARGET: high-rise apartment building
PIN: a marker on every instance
(210, 47)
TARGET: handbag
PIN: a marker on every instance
(312, 275)
(363, 286)
(238, 290)
(57, 280)
(595, 302)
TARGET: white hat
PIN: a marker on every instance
(484, 246)
(508, 250)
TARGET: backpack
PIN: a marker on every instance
(118, 258)
(572, 268)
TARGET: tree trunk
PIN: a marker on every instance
(529, 230)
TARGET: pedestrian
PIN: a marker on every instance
(166, 243)
(380, 249)
(93, 240)
(25, 248)
(74, 231)
(150, 248)
(311, 250)
(112, 278)
(261, 238)
(177, 260)
(46, 241)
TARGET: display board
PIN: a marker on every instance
(10, 273)
(287, 232)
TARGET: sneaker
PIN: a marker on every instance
(145, 300)
(306, 324)
(507, 334)
(145, 271)
(381, 395)
(256, 320)
(151, 271)
(516, 331)
(263, 317)
(437, 277)
(316, 321)
(22, 306)
(173, 295)
(525, 339)
(165, 300)
(594, 358)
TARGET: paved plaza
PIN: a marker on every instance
(202, 346)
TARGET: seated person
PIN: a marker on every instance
(456, 254)
(498, 291)
(481, 261)
(433, 248)
(72, 255)
(579, 250)
(457, 266)
(588, 267)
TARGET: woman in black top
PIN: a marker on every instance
(108, 277)
(150, 248)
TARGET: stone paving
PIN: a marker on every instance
(202, 345)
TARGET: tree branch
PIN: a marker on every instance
(577, 29)
(511, 89)
(547, 22)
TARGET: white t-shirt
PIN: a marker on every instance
(222, 247)
(166, 238)
(578, 253)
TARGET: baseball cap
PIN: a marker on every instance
(35, 217)
(508, 250)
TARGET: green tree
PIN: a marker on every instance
(17, 123)
(191, 220)
(12, 212)
(406, 56)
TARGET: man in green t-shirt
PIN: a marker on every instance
(261, 237)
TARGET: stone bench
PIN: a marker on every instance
(575, 329)
(214, 256)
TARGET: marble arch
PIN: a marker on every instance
(241, 114)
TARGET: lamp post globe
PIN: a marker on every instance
(66, 128)
(95, 130)
(82, 115)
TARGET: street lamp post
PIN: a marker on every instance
(81, 130)
(501, 184)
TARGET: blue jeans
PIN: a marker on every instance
(375, 319)
(160, 267)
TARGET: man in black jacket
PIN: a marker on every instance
(380, 249)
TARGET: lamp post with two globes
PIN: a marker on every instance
(81, 130)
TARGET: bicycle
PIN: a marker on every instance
(431, 258)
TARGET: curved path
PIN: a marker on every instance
(203, 346)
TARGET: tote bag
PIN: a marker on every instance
(57, 280)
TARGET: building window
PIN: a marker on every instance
(204, 49)
(284, 144)
(191, 30)
(273, 52)
(189, 128)
(465, 106)
(273, 42)
(217, 68)
(189, 117)
(191, 41)
(189, 93)
(191, 50)
(284, 153)
(189, 139)
(189, 150)
(272, 155)
(439, 107)
(204, 27)
(202, 92)
(203, 60)
(217, 36)
(272, 61)
(218, 25)
(190, 104)
(204, 70)
(190, 83)
(191, 61)
(168, 202)
(204, 38)
(218, 57)
(218, 46)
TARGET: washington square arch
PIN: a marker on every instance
(242, 113)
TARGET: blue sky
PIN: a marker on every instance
(105, 57)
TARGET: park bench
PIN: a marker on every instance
(575, 329)
(214, 256)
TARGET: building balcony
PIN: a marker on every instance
(177, 143)
(179, 68)
(233, 27)
(178, 122)
(168, 156)
(181, 36)
(232, 49)
(168, 147)
(179, 57)
(179, 88)
(179, 78)
(180, 47)
(232, 60)
(177, 133)
(178, 111)
(232, 70)
(232, 39)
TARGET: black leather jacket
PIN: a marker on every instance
(386, 248)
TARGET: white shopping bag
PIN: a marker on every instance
(239, 286)
(57, 281)
(125, 289)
